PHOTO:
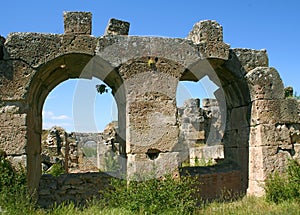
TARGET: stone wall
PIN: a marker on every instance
(83, 152)
(218, 182)
(201, 130)
(213, 183)
(275, 123)
(261, 130)
(75, 188)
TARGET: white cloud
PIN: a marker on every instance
(61, 117)
(67, 126)
(47, 114)
(52, 116)
(50, 120)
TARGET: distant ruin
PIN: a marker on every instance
(89, 152)
(261, 127)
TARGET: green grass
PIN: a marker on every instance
(244, 206)
(251, 206)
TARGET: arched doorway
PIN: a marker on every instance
(234, 103)
(47, 77)
(70, 139)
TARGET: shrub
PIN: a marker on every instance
(284, 187)
(56, 170)
(152, 196)
(14, 198)
(7, 174)
(11, 179)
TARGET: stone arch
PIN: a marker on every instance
(47, 77)
(258, 115)
(233, 97)
(186, 63)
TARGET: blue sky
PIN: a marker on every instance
(257, 24)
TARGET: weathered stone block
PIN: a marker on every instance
(297, 152)
(11, 120)
(78, 22)
(206, 31)
(33, 48)
(283, 137)
(256, 188)
(121, 49)
(237, 94)
(250, 58)
(14, 76)
(13, 139)
(195, 135)
(151, 109)
(141, 167)
(162, 138)
(214, 50)
(79, 43)
(237, 137)
(209, 36)
(262, 135)
(274, 111)
(264, 160)
(265, 83)
(206, 152)
(167, 163)
(271, 135)
(208, 103)
(239, 118)
(117, 27)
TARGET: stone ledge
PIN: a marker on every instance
(282, 136)
(274, 111)
(251, 58)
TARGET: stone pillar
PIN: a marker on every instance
(33, 150)
(151, 125)
(272, 120)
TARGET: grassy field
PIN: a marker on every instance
(154, 196)
(244, 206)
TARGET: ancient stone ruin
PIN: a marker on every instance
(80, 152)
(257, 125)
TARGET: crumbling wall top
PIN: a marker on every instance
(206, 31)
(117, 27)
(78, 23)
(208, 35)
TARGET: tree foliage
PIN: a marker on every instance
(101, 88)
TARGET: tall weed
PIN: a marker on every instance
(14, 198)
(152, 196)
(286, 186)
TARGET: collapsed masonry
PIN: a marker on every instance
(201, 130)
(79, 152)
(261, 129)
